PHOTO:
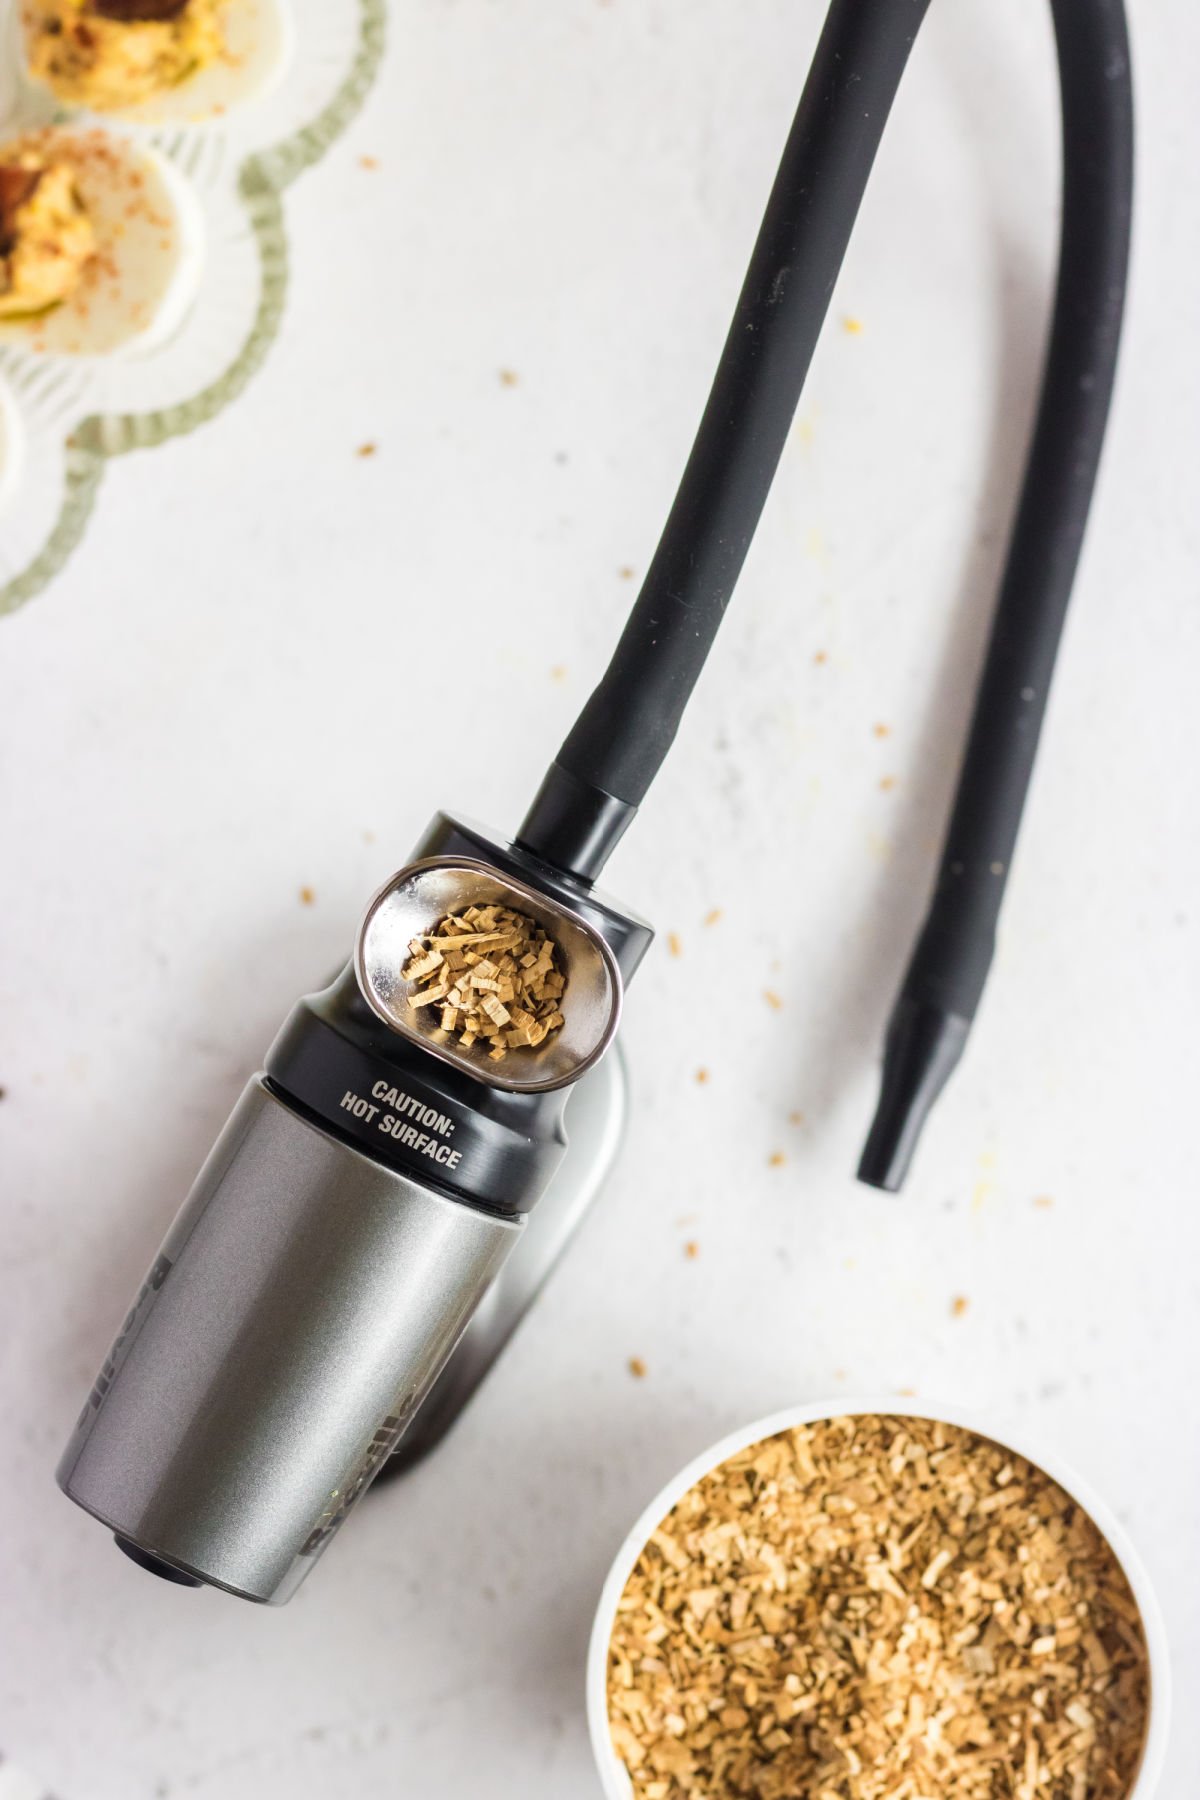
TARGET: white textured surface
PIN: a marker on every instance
(223, 696)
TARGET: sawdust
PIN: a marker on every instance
(878, 1608)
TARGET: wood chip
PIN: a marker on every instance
(496, 972)
(424, 964)
(857, 1610)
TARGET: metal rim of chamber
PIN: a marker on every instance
(542, 904)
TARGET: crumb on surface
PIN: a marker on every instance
(796, 1117)
(701, 1076)
(674, 943)
(958, 1306)
(559, 672)
(307, 896)
(851, 325)
(714, 915)
(368, 162)
(691, 1249)
(637, 1368)
(625, 572)
(772, 999)
(886, 783)
(509, 378)
(367, 449)
(881, 730)
(1043, 1201)
(820, 656)
(776, 1159)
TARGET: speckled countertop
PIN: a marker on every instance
(222, 704)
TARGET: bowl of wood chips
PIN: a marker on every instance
(876, 1602)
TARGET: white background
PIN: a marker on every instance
(271, 660)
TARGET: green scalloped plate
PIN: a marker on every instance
(63, 418)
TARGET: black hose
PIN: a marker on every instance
(945, 978)
(626, 728)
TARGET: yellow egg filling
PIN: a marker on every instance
(106, 54)
(46, 237)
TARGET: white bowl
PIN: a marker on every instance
(613, 1776)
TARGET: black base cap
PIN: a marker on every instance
(145, 1560)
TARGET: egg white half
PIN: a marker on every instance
(149, 230)
(12, 446)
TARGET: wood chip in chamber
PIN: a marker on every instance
(496, 974)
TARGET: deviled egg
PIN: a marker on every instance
(156, 61)
(46, 236)
(105, 244)
(106, 54)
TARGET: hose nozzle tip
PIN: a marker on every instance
(923, 1046)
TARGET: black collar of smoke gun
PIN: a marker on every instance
(341, 1066)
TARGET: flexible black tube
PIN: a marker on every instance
(617, 745)
(945, 978)
(628, 724)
